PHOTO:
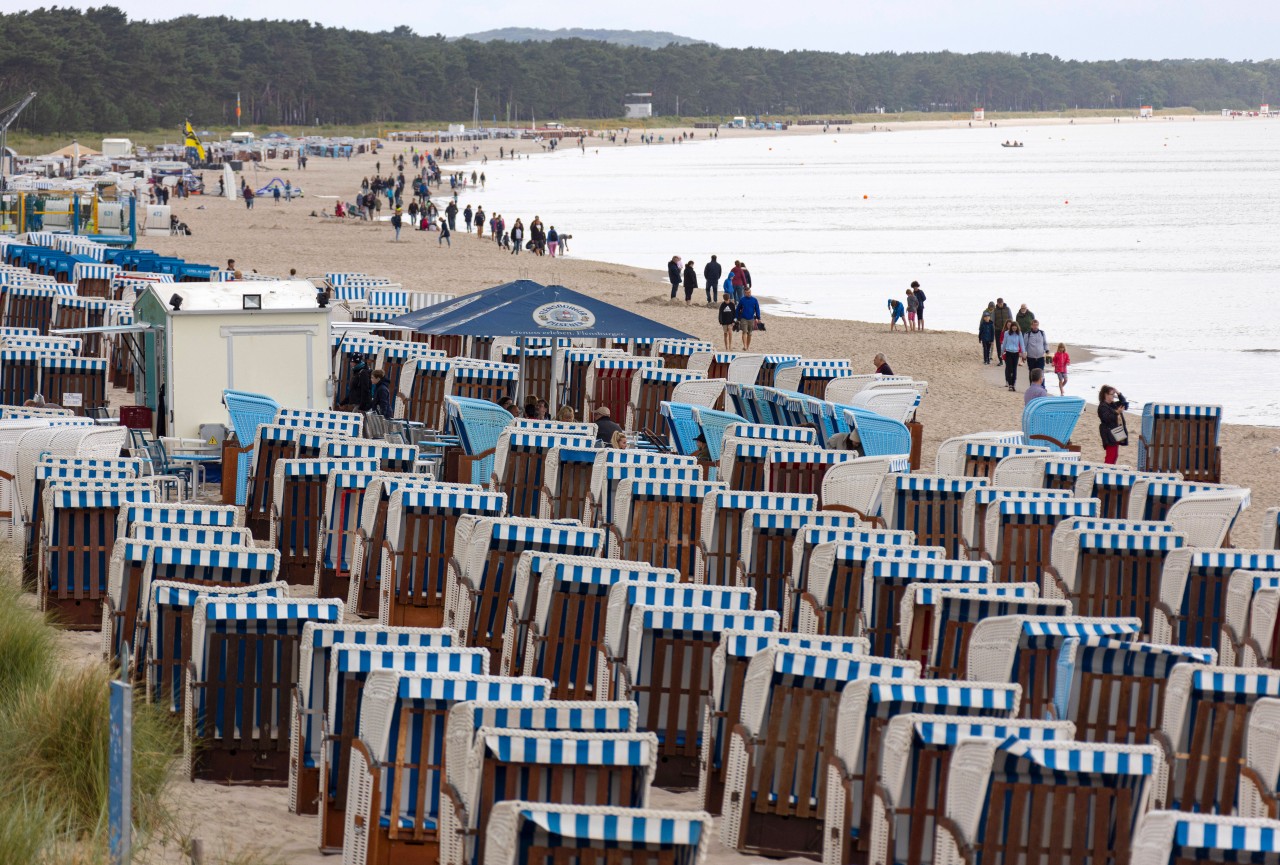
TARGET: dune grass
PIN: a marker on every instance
(54, 737)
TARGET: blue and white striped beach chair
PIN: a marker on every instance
(311, 694)
(529, 833)
(876, 435)
(1249, 626)
(1209, 516)
(729, 665)
(366, 555)
(167, 650)
(200, 536)
(1151, 499)
(396, 777)
(297, 511)
(801, 471)
(1183, 438)
(482, 577)
(916, 752)
(833, 604)
(721, 533)
(666, 670)
(350, 666)
(179, 514)
(248, 412)
(1018, 535)
(1113, 488)
(775, 798)
(478, 424)
(607, 383)
(1206, 710)
(649, 388)
(605, 769)
(659, 521)
(916, 613)
(866, 706)
(768, 545)
(930, 506)
(1193, 593)
(1026, 649)
(566, 482)
(1171, 837)
(810, 376)
(858, 485)
(481, 381)
(982, 457)
(244, 663)
(977, 501)
(886, 581)
(336, 532)
(1260, 774)
(1110, 572)
(1050, 420)
(956, 611)
(567, 623)
(834, 528)
(518, 461)
(1030, 470)
(420, 539)
(1114, 689)
(1054, 802)
(420, 393)
(745, 446)
(712, 426)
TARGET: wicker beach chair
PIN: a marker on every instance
(649, 389)
(1170, 838)
(930, 506)
(775, 798)
(982, 457)
(1259, 795)
(1183, 438)
(566, 482)
(528, 833)
(349, 670)
(920, 603)
(852, 771)
(339, 521)
(1058, 803)
(573, 377)
(675, 353)
(1018, 534)
(1193, 593)
(833, 604)
(1113, 487)
(1205, 732)
(659, 521)
(916, 752)
(801, 471)
(809, 376)
(896, 403)
(396, 777)
(518, 460)
(1111, 573)
(745, 448)
(951, 457)
(1050, 420)
(297, 510)
(477, 423)
(770, 364)
(729, 664)
(274, 442)
(1151, 499)
(977, 502)
(858, 485)
(836, 528)
(363, 597)
(1114, 689)
(1028, 470)
(1207, 517)
(843, 389)
(421, 392)
(877, 435)
(311, 695)
(957, 611)
(566, 633)
(613, 466)
(482, 572)
(607, 383)
(63, 376)
(767, 547)
(1244, 643)
(1026, 650)
(886, 582)
(244, 663)
(721, 533)
(248, 411)
(479, 380)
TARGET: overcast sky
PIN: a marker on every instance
(1077, 29)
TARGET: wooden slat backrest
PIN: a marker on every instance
(19, 380)
(648, 414)
(612, 389)
(772, 568)
(575, 485)
(793, 749)
(419, 765)
(1188, 445)
(421, 567)
(1023, 550)
(1118, 582)
(679, 682)
(90, 384)
(522, 481)
(79, 553)
(797, 477)
(426, 398)
(934, 517)
(1135, 702)
(1206, 776)
(536, 375)
(249, 712)
(664, 532)
(1025, 823)
(257, 507)
(371, 562)
(981, 465)
(299, 529)
(574, 636)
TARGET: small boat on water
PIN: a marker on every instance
(1011, 144)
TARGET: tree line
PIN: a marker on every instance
(99, 70)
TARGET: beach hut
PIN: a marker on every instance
(201, 339)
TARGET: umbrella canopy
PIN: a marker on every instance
(527, 308)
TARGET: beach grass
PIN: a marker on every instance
(54, 738)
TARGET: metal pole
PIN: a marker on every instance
(120, 765)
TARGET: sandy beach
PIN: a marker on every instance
(964, 395)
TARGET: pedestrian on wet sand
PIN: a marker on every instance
(674, 274)
(986, 336)
(711, 275)
(1013, 349)
(690, 282)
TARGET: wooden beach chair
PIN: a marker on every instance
(1169, 837)
(482, 572)
(1053, 802)
(809, 376)
(339, 520)
(930, 506)
(675, 353)
(833, 604)
(1113, 689)
(297, 510)
(481, 380)
(916, 613)
(775, 798)
(518, 463)
(1193, 593)
(767, 547)
(1018, 534)
(1182, 438)
(866, 707)
(659, 522)
(649, 389)
(608, 383)
(566, 482)
(886, 581)
(977, 501)
(956, 611)
(834, 529)
(858, 486)
(729, 664)
(573, 378)
(420, 396)
(721, 533)
(311, 694)
(528, 833)
(419, 542)
(567, 621)
(1030, 470)
(396, 777)
(1151, 499)
(982, 457)
(1113, 487)
(802, 471)
(951, 456)
(916, 752)
(1204, 730)
(244, 663)
(745, 447)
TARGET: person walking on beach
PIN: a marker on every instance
(452, 213)
(1024, 319)
(479, 222)
(248, 197)
(1111, 424)
(1037, 346)
(727, 315)
(517, 237)
(1037, 388)
(896, 314)
(1000, 318)
(748, 317)
(1061, 361)
(288, 192)
(711, 276)
(466, 218)
(275, 194)
(674, 275)
(445, 234)
(1013, 349)
(738, 277)
(553, 241)
(920, 298)
(986, 336)
(396, 222)
(911, 310)
(690, 282)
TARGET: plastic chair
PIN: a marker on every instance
(1051, 420)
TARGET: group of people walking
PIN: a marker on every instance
(738, 310)
(1016, 339)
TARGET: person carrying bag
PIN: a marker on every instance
(1112, 427)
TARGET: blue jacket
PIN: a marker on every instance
(749, 308)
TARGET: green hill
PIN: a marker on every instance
(632, 38)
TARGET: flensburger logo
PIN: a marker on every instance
(564, 316)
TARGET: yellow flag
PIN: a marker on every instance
(192, 141)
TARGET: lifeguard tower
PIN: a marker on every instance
(979, 114)
(638, 106)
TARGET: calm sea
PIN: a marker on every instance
(1154, 239)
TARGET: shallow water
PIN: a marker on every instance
(1155, 237)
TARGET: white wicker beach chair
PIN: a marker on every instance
(744, 454)
(886, 581)
(859, 485)
(721, 532)
(659, 521)
(951, 457)
(833, 604)
(518, 462)
(929, 505)
(842, 390)
(976, 503)
(612, 466)
(920, 603)
(899, 403)
(1208, 517)
(1151, 499)
(528, 833)
(1027, 470)
(1113, 487)
(835, 529)
(1018, 534)
(1193, 593)
(1260, 774)
(1168, 837)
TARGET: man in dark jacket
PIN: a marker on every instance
(605, 425)
(690, 282)
(711, 273)
(360, 391)
(674, 275)
(381, 393)
(1000, 318)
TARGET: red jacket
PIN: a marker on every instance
(739, 278)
